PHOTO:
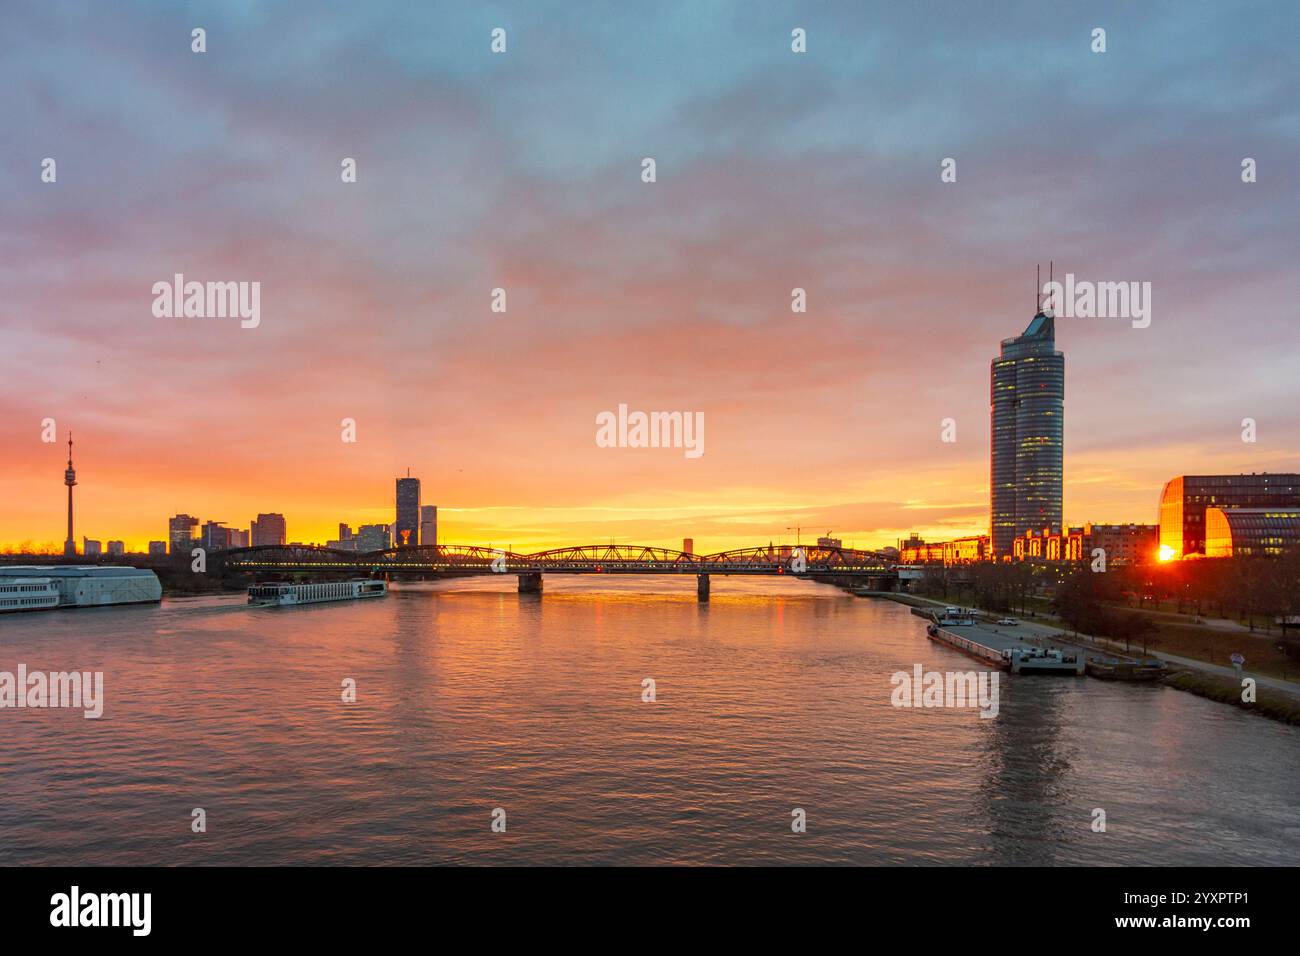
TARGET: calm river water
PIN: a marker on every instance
(471, 697)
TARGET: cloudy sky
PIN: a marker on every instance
(522, 171)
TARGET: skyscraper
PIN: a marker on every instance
(1026, 408)
(408, 512)
(216, 536)
(180, 533)
(429, 525)
(268, 529)
(70, 479)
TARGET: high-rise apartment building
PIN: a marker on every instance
(268, 529)
(372, 537)
(181, 533)
(216, 536)
(429, 525)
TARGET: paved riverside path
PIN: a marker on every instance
(1095, 645)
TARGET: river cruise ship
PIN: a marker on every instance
(285, 594)
(28, 594)
(33, 587)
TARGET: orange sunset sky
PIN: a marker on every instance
(523, 172)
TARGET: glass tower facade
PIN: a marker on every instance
(408, 512)
(1026, 410)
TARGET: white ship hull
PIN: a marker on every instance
(291, 595)
(1036, 660)
(40, 587)
(28, 594)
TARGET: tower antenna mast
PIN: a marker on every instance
(70, 479)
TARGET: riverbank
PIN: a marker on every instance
(1275, 699)
(1226, 690)
(1175, 638)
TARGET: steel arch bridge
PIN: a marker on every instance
(583, 559)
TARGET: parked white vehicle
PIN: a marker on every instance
(1008, 621)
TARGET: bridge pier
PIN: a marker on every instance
(530, 582)
(702, 586)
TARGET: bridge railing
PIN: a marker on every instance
(582, 559)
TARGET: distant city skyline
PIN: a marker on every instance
(271, 528)
(1026, 489)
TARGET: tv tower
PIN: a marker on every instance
(70, 479)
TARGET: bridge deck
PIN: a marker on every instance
(588, 559)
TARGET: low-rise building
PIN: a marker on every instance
(917, 551)
(967, 550)
(1122, 544)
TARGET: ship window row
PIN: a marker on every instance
(12, 588)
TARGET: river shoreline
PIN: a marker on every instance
(1270, 702)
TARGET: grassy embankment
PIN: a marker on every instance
(1227, 690)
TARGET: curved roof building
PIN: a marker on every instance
(1251, 532)
(1185, 499)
